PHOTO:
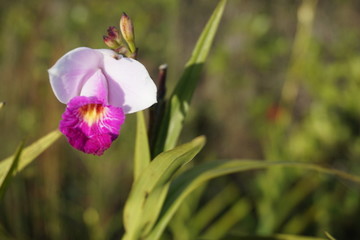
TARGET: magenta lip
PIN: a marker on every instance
(91, 126)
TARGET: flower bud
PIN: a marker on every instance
(127, 31)
(110, 42)
(113, 33)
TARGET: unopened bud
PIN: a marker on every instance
(127, 31)
(114, 34)
(110, 42)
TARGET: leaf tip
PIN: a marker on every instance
(200, 140)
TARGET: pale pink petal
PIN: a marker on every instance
(71, 71)
(96, 86)
(130, 86)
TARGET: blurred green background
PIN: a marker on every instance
(281, 83)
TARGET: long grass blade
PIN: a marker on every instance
(178, 105)
(195, 177)
(149, 191)
(28, 154)
(5, 181)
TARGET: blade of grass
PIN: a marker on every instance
(149, 191)
(233, 215)
(294, 196)
(214, 207)
(5, 181)
(329, 236)
(300, 221)
(28, 154)
(181, 225)
(178, 105)
(191, 179)
(274, 237)
(142, 152)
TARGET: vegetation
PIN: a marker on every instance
(271, 86)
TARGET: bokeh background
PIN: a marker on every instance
(282, 82)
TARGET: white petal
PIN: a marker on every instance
(130, 86)
(96, 86)
(71, 71)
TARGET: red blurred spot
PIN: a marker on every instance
(273, 113)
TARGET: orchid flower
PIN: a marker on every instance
(99, 87)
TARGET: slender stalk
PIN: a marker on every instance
(157, 111)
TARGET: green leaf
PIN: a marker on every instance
(2, 104)
(208, 212)
(178, 106)
(179, 225)
(4, 182)
(149, 190)
(142, 152)
(28, 154)
(274, 237)
(227, 220)
(183, 185)
(329, 237)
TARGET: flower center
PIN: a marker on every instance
(91, 113)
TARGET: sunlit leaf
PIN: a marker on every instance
(329, 237)
(28, 154)
(15, 160)
(178, 106)
(142, 152)
(195, 177)
(149, 191)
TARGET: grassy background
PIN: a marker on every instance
(281, 83)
